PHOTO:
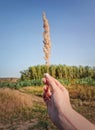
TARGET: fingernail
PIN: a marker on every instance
(46, 74)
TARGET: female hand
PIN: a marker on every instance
(56, 98)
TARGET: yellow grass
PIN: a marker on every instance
(38, 91)
(13, 104)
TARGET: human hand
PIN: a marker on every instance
(59, 108)
(56, 98)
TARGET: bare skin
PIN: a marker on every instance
(59, 107)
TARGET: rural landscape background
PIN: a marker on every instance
(71, 31)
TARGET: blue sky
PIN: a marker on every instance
(72, 31)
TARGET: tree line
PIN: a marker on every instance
(58, 72)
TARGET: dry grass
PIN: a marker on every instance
(26, 110)
(23, 110)
(38, 91)
(14, 105)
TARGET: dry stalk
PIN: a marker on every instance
(46, 41)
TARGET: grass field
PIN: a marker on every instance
(24, 109)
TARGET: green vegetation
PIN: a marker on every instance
(59, 72)
(20, 83)
(67, 75)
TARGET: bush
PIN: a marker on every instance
(86, 81)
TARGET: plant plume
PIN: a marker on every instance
(46, 41)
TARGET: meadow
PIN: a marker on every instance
(21, 103)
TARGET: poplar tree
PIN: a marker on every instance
(46, 41)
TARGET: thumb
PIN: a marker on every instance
(50, 81)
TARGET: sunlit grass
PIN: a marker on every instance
(14, 105)
(38, 91)
(27, 107)
(17, 108)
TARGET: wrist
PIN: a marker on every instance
(65, 119)
(72, 120)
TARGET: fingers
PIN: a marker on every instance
(47, 94)
(52, 86)
(50, 82)
(55, 84)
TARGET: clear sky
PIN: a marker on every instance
(72, 31)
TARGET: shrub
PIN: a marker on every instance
(86, 81)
